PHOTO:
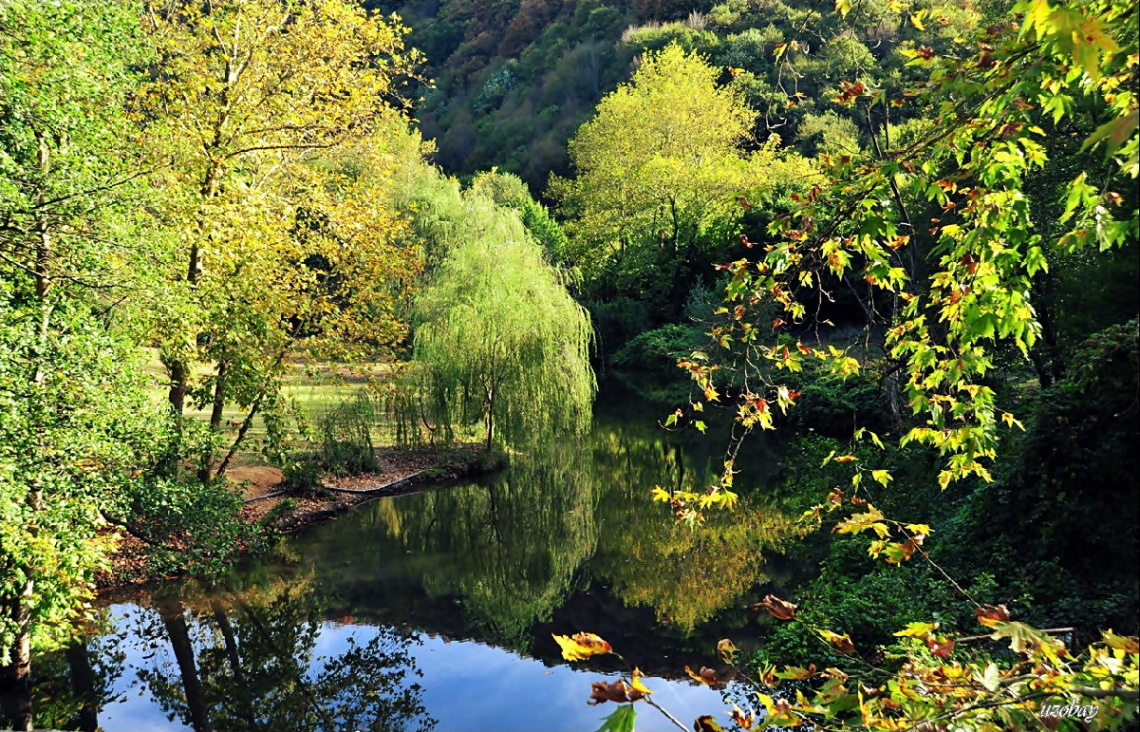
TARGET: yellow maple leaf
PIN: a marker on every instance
(581, 646)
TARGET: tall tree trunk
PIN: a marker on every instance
(179, 370)
(178, 381)
(16, 678)
(173, 617)
(15, 699)
(219, 404)
(219, 397)
(490, 418)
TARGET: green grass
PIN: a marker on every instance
(315, 387)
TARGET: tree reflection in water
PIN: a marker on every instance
(72, 685)
(565, 539)
(686, 575)
(509, 546)
(248, 662)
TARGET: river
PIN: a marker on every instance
(435, 610)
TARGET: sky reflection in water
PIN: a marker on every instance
(467, 685)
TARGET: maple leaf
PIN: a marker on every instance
(779, 609)
(581, 646)
(744, 720)
(726, 649)
(707, 676)
(616, 691)
(940, 647)
(840, 642)
(1126, 643)
(991, 615)
(796, 673)
(707, 723)
(637, 684)
(917, 630)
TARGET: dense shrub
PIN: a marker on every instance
(647, 364)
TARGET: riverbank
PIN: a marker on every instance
(280, 511)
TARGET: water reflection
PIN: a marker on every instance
(374, 621)
(249, 661)
(510, 546)
(73, 685)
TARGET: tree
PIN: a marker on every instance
(658, 171)
(498, 339)
(74, 424)
(947, 313)
(275, 115)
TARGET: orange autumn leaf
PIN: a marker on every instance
(581, 646)
(707, 676)
(707, 723)
(746, 721)
(840, 642)
(637, 684)
(990, 615)
(618, 692)
(779, 609)
(940, 647)
(845, 459)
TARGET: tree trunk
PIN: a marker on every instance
(178, 379)
(219, 397)
(16, 678)
(219, 404)
(490, 418)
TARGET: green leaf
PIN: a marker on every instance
(1115, 132)
(621, 720)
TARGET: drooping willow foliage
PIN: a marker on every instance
(499, 342)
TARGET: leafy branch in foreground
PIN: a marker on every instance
(948, 297)
(945, 302)
(936, 685)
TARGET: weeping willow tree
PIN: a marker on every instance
(499, 343)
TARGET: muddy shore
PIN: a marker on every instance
(263, 491)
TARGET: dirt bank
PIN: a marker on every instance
(268, 501)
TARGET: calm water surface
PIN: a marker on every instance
(435, 610)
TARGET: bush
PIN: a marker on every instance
(302, 474)
(191, 528)
(275, 515)
(648, 363)
(616, 321)
(870, 601)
